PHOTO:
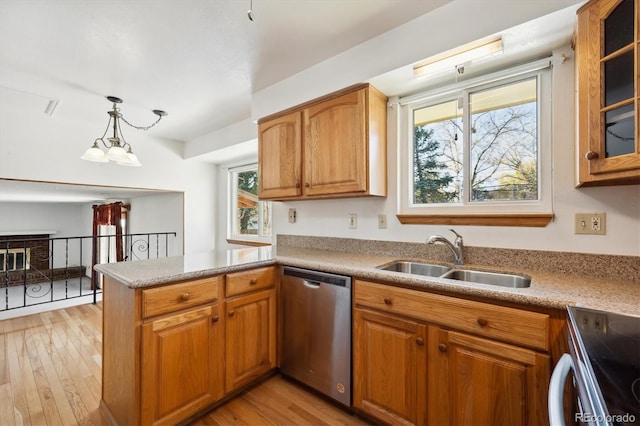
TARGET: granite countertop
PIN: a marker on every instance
(552, 290)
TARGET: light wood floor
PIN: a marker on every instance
(50, 372)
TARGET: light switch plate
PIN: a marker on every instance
(590, 223)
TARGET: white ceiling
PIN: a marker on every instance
(199, 60)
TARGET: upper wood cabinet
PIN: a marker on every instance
(331, 147)
(607, 59)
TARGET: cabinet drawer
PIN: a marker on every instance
(497, 322)
(170, 298)
(246, 281)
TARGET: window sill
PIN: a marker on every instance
(538, 220)
(248, 243)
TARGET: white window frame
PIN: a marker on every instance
(231, 208)
(540, 69)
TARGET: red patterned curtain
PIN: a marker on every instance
(106, 214)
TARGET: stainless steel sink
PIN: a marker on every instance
(503, 280)
(415, 268)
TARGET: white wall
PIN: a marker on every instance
(34, 146)
(621, 203)
(159, 213)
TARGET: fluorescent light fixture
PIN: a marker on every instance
(449, 60)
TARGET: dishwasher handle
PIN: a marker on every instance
(556, 390)
(311, 284)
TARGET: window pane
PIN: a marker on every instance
(247, 203)
(620, 131)
(618, 78)
(618, 27)
(504, 147)
(437, 153)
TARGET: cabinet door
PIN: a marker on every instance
(609, 93)
(476, 381)
(280, 156)
(181, 365)
(335, 151)
(389, 368)
(250, 337)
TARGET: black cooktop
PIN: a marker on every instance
(612, 344)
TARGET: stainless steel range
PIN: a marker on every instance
(605, 360)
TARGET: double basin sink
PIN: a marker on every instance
(467, 275)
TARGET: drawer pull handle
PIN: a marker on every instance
(419, 341)
(591, 155)
(253, 281)
(185, 296)
(307, 185)
(482, 322)
(387, 301)
(215, 319)
(442, 347)
(232, 313)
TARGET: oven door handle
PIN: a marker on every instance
(556, 390)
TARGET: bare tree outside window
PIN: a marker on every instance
(503, 147)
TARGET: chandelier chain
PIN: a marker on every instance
(141, 127)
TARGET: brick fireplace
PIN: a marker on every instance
(31, 255)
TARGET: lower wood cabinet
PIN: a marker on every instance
(171, 351)
(479, 381)
(389, 364)
(182, 365)
(423, 358)
(251, 337)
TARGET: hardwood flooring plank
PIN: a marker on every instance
(67, 364)
(4, 363)
(8, 406)
(45, 349)
(35, 412)
(47, 402)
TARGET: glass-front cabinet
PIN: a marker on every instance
(607, 50)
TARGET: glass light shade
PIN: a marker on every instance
(132, 160)
(117, 153)
(95, 154)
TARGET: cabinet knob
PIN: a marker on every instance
(185, 296)
(232, 313)
(297, 184)
(253, 281)
(419, 341)
(387, 301)
(482, 322)
(215, 319)
(306, 185)
(591, 155)
(442, 347)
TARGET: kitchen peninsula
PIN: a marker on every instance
(219, 303)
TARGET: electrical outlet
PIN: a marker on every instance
(382, 221)
(353, 221)
(292, 215)
(590, 223)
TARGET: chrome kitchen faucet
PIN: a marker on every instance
(455, 247)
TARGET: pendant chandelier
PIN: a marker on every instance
(118, 149)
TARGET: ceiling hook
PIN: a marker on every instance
(250, 12)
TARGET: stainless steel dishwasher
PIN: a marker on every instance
(316, 331)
